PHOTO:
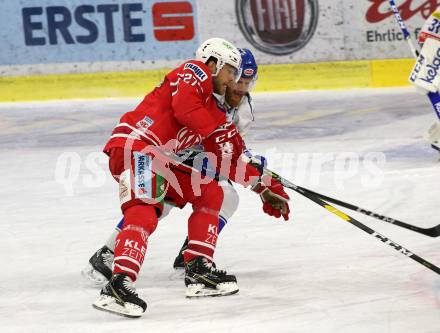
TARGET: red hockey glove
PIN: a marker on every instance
(275, 200)
(225, 143)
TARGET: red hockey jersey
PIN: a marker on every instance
(178, 114)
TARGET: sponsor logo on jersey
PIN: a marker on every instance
(275, 26)
(433, 68)
(142, 176)
(199, 73)
(145, 123)
(187, 138)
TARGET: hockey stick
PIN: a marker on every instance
(169, 156)
(346, 217)
(431, 232)
(434, 98)
(404, 29)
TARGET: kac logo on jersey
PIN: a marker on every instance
(275, 26)
(187, 138)
(199, 73)
(145, 123)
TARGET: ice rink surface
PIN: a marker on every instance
(314, 273)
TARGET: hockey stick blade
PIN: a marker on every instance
(431, 232)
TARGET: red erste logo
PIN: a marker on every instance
(380, 9)
(173, 21)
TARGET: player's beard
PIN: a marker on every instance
(219, 87)
(233, 97)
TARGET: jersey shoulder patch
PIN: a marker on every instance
(197, 70)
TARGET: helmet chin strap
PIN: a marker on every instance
(219, 66)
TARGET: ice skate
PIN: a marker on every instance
(179, 263)
(119, 296)
(202, 279)
(99, 268)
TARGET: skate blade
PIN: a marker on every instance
(109, 304)
(93, 276)
(199, 290)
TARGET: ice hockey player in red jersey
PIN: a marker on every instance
(178, 114)
(240, 111)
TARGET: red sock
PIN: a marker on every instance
(131, 242)
(203, 223)
(202, 236)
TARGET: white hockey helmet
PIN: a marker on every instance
(223, 51)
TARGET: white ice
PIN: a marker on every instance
(314, 273)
